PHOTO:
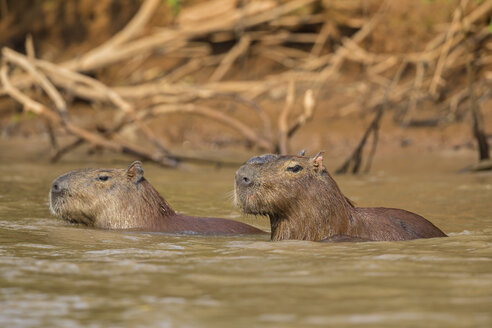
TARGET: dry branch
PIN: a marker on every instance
(247, 132)
(95, 139)
(339, 56)
(99, 56)
(354, 161)
(230, 58)
(22, 61)
(28, 103)
(70, 79)
(307, 114)
(283, 127)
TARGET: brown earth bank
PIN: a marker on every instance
(343, 105)
(454, 149)
(335, 134)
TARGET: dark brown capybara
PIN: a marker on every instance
(124, 199)
(304, 202)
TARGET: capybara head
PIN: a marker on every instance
(107, 198)
(290, 188)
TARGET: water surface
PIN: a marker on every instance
(55, 274)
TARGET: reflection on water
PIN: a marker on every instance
(55, 274)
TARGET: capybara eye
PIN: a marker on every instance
(103, 178)
(295, 168)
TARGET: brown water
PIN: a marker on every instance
(54, 274)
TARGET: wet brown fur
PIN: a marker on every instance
(124, 199)
(308, 204)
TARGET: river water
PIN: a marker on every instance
(54, 274)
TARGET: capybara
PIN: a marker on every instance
(124, 199)
(304, 202)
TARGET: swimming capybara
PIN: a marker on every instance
(304, 202)
(124, 199)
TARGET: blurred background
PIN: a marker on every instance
(214, 81)
(399, 89)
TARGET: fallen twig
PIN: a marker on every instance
(283, 127)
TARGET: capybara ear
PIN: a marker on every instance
(135, 171)
(317, 159)
(302, 152)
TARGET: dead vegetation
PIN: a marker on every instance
(307, 38)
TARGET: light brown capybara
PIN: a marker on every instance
(304, 202)
(124, 199)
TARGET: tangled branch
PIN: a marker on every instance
(268, 29)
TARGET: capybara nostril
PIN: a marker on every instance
(243, 179)
(61, 184)
(55, 187)
(245, 176)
